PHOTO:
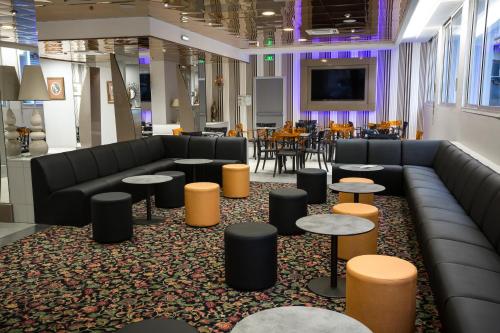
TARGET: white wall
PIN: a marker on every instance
(59, 114)
(478, 132)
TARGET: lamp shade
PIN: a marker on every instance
(175, 103)
(9, 83)
(33, 86)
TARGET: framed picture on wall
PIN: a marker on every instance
(109, 89)
(56, 88)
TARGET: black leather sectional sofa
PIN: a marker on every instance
(455, 203)
(63, 183)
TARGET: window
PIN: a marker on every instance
(452, 32)
(484, 71)
(430, 70)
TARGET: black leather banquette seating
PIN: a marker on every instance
(455, 203)
(63, 183)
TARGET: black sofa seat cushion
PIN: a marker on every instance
(449, 251)
(84, 165)
(419, 172)
(155, 147)
(445, 201)
(436, 185)
(353, 151)
(160, 165)
(452, 231)
(141, 152)
(71, 205)
(384, 152)
(451, 280)
(466, 315)
(176, 146)
(427, 214)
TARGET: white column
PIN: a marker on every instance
(225, 93)
(159, 102)
(393, 97)
(415, 71)
(242, 67)
(296, 87)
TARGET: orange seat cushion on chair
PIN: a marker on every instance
(381, 293)
(202, 202)
(236, 180)
(352, 246)
(349, 197)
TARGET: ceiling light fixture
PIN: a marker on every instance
(302, 40)
(324, 60)
(347, 15)
(184, 37)
(7, 27)
(13, 12)
(353, 30)
(268, 13)
(355, 37)
(166, 5)
(350, 20)
(288, 29)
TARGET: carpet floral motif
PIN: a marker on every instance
(59, 280)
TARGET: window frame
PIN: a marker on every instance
(447, 45)
(477, 108)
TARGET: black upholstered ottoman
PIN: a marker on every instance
(111, 215)
(170, 194)
(158, 325)
(251, 256)
(313, 181)
(286, 206)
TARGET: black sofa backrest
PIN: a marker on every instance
(84, 165)
(176, 146)
(155, 147)
(491, 224)
(351, 151)
(141, 152)
(384, 152)
(202, 147)
(105, 158)
(419, 152)
(230, 148)
(124, 155)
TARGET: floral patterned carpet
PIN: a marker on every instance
(60, 280)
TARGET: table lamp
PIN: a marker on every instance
(9, 91)
(34, 88)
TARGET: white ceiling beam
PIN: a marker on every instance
(350, 46)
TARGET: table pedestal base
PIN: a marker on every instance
(322, 286)
(143, 221)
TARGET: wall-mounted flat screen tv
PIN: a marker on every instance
(145, 87)
(338, 84)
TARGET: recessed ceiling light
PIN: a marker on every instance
(350, 21)
(184, 37)
(13, 12)
(104, 2)
(184, 13)
(210, 23)
(288, 29)
(302, 40)
(166, 5)
(347, 15)
(7, 27)
(355, 37)
(353, 30)
(268, 13)
(324, 60)
(164, 50)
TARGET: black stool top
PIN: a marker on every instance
(159, 326)
(311, 171)
(251, 230)
(111, 196)
(171, 173)
(289, 193)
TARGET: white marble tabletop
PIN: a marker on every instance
(299, 319)
(335, 224)
(147, 179)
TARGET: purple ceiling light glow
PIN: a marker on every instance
(297, 24)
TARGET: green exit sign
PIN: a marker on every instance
(201, 61)
(269, 42)
(269, 57)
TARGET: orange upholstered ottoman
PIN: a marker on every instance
(236, 180)
(202, 202)
(349, 197)
(352, 246)
(381, 293)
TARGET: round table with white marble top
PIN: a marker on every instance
(356, 188)
(361, 167)
(299, 319)
(149, 181)
(194, 162)
(333, 225)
